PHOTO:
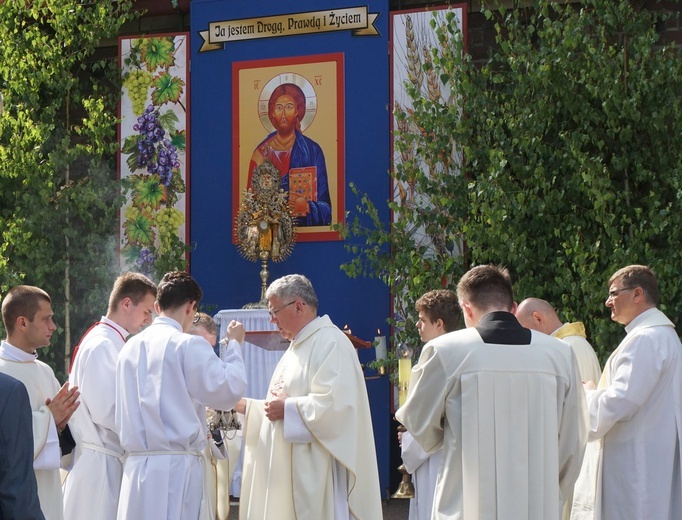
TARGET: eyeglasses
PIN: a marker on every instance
(274, 312)
(196, 319)
(616, 292)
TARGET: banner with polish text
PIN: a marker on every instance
(355, 19)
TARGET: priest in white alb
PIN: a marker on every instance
(635, 412)
(537, 314)
(309, 447)
(505, 404)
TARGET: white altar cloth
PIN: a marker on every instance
(260, 363)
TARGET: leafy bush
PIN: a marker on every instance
(569, 135)
(58, 192)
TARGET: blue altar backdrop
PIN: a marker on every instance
(337, 53)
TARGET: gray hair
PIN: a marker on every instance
(293, 287)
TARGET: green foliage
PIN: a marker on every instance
(420, 251)
(58, 193)
(574, 158)
(570, 134)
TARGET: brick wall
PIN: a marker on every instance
(169, 16)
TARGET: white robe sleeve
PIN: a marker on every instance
(572, 440)
(215, 383)
(634, 375)
(423, 411)
(295, 429)
(412, 453)
(46, 451)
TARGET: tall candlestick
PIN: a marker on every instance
(404, 355)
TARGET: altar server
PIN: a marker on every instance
(216, 448)
(92, 487)
(165, 379)
(506, 405)
(309, 446)
(438, 313)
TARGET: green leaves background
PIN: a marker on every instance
(569, 138)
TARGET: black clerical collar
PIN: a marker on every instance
(502, 328)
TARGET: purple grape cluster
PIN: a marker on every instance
(155, 153)
(168, 159)
(145, 261)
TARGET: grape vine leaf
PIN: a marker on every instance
(167, 89)
(179, 139)
(167, 120)
(157, 52)
(130, 147)
(176, 187)
(130, 253)
(148, 191)
(130, 143)
(139, 230)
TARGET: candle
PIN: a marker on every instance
(404, 355)
(380, 347)
(404, 371)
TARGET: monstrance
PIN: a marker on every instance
(265, 225)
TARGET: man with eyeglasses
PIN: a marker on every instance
(165, 379)
(309, 446)
(635, 410)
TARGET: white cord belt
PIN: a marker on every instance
(102, 449)
(165, 452)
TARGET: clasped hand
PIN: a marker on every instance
(63, 404)
(274, 409)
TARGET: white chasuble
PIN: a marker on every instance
(588, 363)
(284, 480)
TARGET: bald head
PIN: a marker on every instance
(537, 314)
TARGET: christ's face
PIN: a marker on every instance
(284, 114)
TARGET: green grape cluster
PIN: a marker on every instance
(137, 83)
(168, 220)
(131, 212)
